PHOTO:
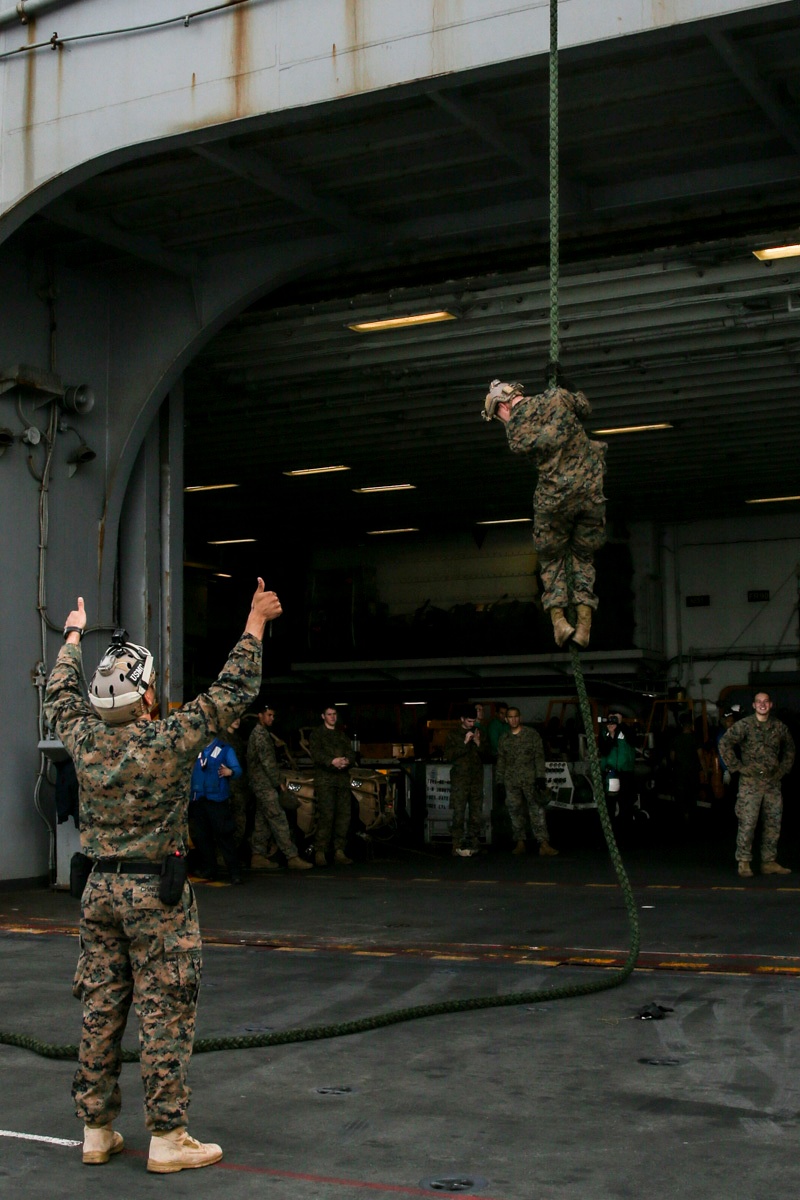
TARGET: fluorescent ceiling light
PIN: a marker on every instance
(341, 704)
(386, 487)
(777, 252)
(414, 703)
(507, 521)
(222, 575)
(425, 318)
(316, 470)
(409, 529)
(232, 542)
(210, 487)
(773, 500)
(634, 428)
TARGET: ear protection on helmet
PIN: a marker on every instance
(123, 675)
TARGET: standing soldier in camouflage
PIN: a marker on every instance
(462, 749)
(569, 505)
(761, 749)
(521, 767)
(330, 754)
(140, 938)
(264, 778)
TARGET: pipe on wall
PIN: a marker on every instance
(27, 9)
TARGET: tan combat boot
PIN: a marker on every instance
(177, 1151)
(583, 626)
(296, 863)
(562, 630)
(744, 869)
(319, 859)
(520, 847)
(546, 850)
(100, 1144)
(773, 868)
(341, 859)
(259, 862)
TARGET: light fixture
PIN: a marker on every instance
(773, 500)
(634, 428)
(777, 252)
(232, 542)
(423, 318)
(316, 470)
(78, 399)
(386, 487)
(210, 487)
(341, 704)
(507, 521)
(222, 575)
(409, 529)
(414, 703)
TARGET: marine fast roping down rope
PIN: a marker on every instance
(398, 1016)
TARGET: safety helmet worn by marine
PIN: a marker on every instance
(123, 675)
(497, 394)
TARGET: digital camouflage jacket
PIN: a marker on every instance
(548, 428)
(765, 749)
(134, 778)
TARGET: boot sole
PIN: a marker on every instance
(170, 1168)
(96, 1158)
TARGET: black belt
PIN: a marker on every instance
(127, 866)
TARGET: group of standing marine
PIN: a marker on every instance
(519, 752)
(221, 791)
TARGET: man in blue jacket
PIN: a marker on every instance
(212, 817)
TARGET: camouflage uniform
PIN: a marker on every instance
(332, 794)
(569, 505)
(765, 755)
(264, 778)
(520, 762)
(134, 782)
(466, 789)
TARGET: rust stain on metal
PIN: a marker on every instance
(359, 76)
(240, 55)
(445, 14)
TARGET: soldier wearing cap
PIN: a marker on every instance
(140, 938)
(569, 505)
(761, 749)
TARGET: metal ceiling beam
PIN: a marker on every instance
(480, 120)
(148, 249)
(746, 71)
(263, 175)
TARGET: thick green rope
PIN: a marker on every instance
(400, 1015)
(555, 238)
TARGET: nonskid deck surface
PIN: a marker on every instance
(567, 1098)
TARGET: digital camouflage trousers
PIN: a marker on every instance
(134, 949)
(332, 800)
(521, 804)
(752, 801)
(466, 804)
(577, 527)
(271, 819)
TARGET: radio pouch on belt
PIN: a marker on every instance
(173, 878)
(80, 868)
